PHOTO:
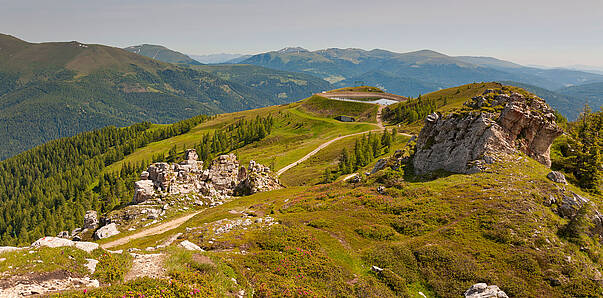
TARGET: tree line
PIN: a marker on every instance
(366, 149)
(411, 111)
(48, 189)
(579, 153)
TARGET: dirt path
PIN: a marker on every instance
(166, 226)
(146, 265)
(379, 117)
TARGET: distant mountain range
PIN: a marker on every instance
(57, 89)
(162, 53)
(220, 58)
(425, 71)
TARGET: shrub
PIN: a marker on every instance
(112, 268)
(448, 273)
(395, 257)
(376, 232)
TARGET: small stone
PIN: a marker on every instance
(376, 269)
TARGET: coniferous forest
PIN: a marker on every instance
(49, 188)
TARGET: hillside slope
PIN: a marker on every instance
(53, 90)
(162, 53)
(387, 234)
(591, 93)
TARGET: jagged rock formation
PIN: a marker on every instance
(489, 127)
(220, 180)
(482, 290)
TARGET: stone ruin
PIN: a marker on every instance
(223, 178)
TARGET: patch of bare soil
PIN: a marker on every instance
(147, 265)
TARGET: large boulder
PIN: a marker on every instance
(487, 129)
(482, 290)
(61, 242)
(106, 231)
(570, 204)
(190, 246)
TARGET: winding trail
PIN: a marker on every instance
(161, 228)
(327, 143)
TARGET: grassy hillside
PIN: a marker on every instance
(162, 53)
(332, 108)
(433, 236)
(54, 90)
(107, 152)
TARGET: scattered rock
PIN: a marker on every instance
(495, 126)
(556, 177)
(482, 290)
(376, 269)
(146, 265)
(106, 231)
(381, 189)
(189, 245)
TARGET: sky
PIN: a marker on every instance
(530, 32)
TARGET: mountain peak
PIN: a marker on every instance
(292, 50)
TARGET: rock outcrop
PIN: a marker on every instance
(482, 290)
(220, 180)
(489, 127)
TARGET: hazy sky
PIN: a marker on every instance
(551, 32)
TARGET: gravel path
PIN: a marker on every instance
(166, 226)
